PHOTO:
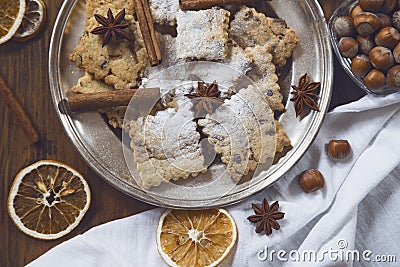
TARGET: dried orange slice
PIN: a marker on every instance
(33, 20)
(48, 199)
(196, 237)
(11, 14)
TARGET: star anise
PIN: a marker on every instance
(304, 96)
(266, 217)
(112, 28)
(206, 98)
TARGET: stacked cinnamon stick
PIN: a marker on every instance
(147, 28)
(94, 101)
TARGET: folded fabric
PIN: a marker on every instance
(322, 220)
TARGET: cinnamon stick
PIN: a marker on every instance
(146, 25)
(205, 4)
(18, 112)
(94, 101)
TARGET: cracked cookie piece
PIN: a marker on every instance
(264, 76)
(242, 130)
(117, 64)
(167, 146)
(237, 58)
(98, 7)
(87, 84)
(282, 140)
(250, 28)
(164, 11)
(170, 57)
(203, 34)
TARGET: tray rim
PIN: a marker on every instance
(123, 186)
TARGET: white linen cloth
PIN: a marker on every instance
(322, 220)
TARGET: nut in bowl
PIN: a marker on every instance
(366, 39)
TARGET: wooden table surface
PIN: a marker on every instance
(24, 67)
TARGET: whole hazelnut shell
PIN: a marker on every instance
(388, 37)
(388, 6)
(365, 44)
(381, 58)
(355, 10)
(386, 20)
(344, 26)
(361, 65)
(396, 53)
(393, 76)
(396, 19)
(375, 80)
(366, 23)
(339, 149)
(348, 47)
(371, 5)
(311, 180)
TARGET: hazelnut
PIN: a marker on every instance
(339, 149)
(371, 5)
(365, 44)
(388, 37)
(348, 47)
(393, 76)
(360, 65)
(396, 53)
(375, 80)
(381, 58)
(344, 26)
(366, 23)
(396, 20)
(355, 10)
(386, 21)
(311, 180)
(388, 6)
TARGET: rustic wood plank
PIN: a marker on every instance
(24, 67)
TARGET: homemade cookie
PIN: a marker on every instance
(164, 11)
(118, 64)
(203, 34)
(87, 84)
(264, 76)
(167, 146)
(242, 130)
(250, 28)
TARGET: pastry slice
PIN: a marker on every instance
(164, 11)
(167, 146)
(242, 130)
(203, 34)
(264, 75)
(119, 64)
(250, 28)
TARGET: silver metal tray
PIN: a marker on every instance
(102, 148)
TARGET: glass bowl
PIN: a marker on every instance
(343, 10)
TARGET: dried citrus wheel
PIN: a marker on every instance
(33, 20)
(48, 199)
(195, 238)
(11, 14)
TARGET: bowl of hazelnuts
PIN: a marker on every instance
(365, 35)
